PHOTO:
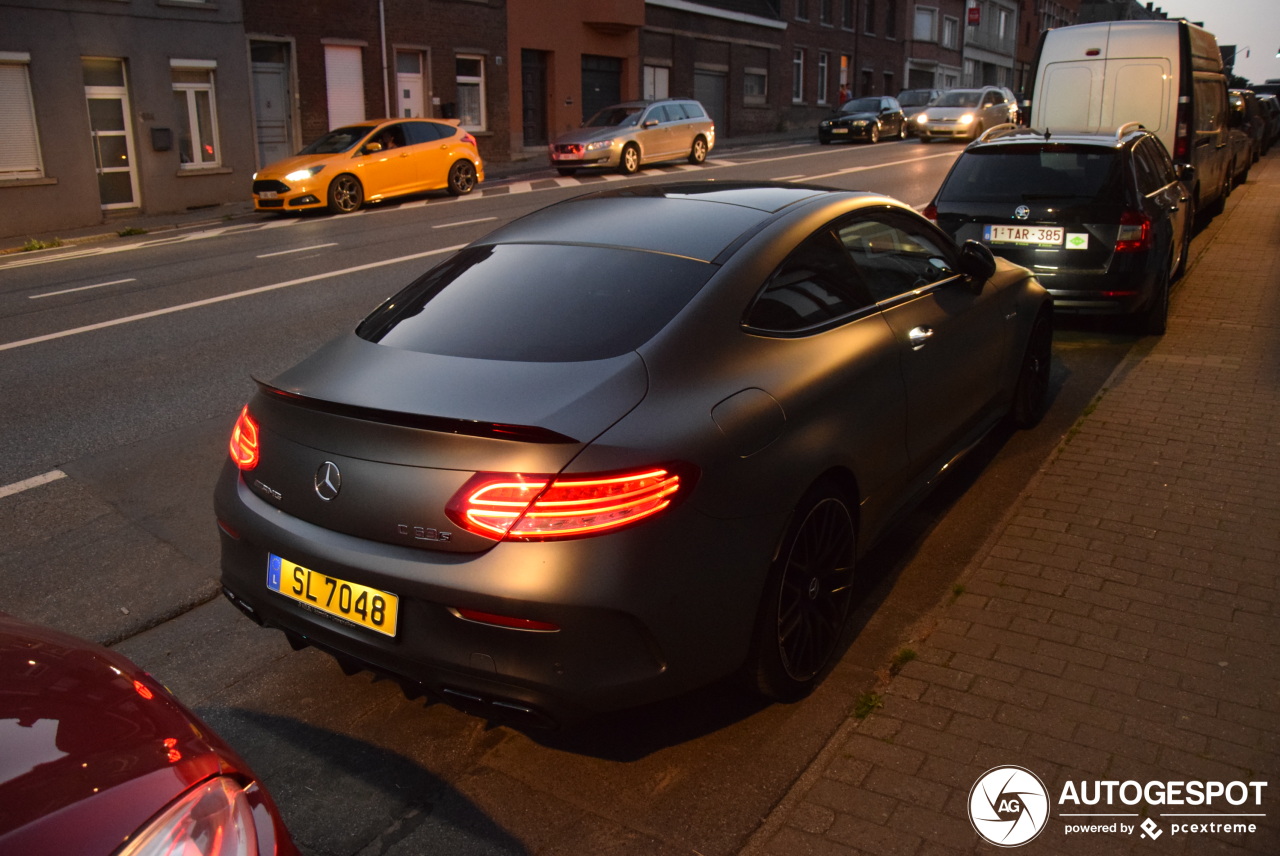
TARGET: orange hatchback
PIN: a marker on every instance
(369, 162)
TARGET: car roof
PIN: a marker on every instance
(696, 220)
(1009, 136)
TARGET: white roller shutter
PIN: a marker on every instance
(344, 81)
(20, 154)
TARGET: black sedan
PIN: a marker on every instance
(868, 119)
(1104, 220)
(624, 446)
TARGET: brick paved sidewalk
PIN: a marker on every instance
(1122, 622)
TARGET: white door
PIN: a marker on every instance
(107, 99)
(410, 85)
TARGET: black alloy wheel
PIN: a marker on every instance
(462, 177)
(1190, 227)
(346, 194)
(874, 135)
(1031, 395)
(807, 597)
(1154, 318)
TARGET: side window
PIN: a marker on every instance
(1150, 176)
(815, 285)
(426, 132)
(391, 137)
(895, 256)
(1161, 156)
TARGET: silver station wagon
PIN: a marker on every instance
(627, 135)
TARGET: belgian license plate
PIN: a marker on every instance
(267, 194)
(839, 130)
(368, 607)
(1042, 236)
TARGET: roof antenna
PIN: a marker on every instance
(1047, 134)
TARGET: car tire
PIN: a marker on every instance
(805, 605)
(462, 177)
(1031, 392)
(698, 154)
(629, 163)
(902, 130)
(873, 136)
(346, 194)
(566, 170)
(1153, 320)
(977, 131)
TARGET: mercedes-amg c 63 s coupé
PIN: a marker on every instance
(624, 446)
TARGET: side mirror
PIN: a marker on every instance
(651, 123)
(370, 148)
(977, 263)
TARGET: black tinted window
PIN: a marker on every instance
(815, 285)
(1023, 173)
(894, 256)
(538, 303)
(427, 132)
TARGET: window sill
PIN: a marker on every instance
(204, 170)
(27, 182)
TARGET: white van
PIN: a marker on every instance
(1166, 75)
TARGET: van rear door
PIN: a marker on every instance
(1103, 94)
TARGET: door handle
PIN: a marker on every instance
(919, 337)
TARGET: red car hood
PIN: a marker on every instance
(91, 747)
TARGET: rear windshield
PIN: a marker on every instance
(538, 303)
(1050, 171)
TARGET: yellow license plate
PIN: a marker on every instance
(377, 610)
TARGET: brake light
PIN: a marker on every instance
(930, 213)
(468, 139)
(1135, 232)
(519, 507)
(1182, 132)
(244, 441)
(508, 621)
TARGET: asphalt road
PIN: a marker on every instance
(122, 367)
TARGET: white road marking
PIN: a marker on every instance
(34, 481)
(298, 250)
(209, 301)
(464, 223)
(81, 288)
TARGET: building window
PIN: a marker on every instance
(891, 20)
(926, 25)
(802, 10)
(797, 76)
(1004, 26)
(471, 101)
(20, 154)
(824, 65)
(847, 15)
(951, 33)
(344, 84)
(197, 117)
(869, 20)
(755, 86)
(824, 12)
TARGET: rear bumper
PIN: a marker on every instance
(644, 613)
(1117, 292)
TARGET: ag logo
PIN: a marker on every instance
(1008, 806)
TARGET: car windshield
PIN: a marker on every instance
(612, 117)
(538, 303)
(1022, 173)
(338, 140)
(958, 98)
(861, 105)
(914, 98)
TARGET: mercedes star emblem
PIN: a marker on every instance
(328, 481)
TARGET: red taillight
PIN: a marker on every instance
(244, 441)
(1182, 131)
(930, 213)
(468, 139)
(1135, 232)
(535, 508)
